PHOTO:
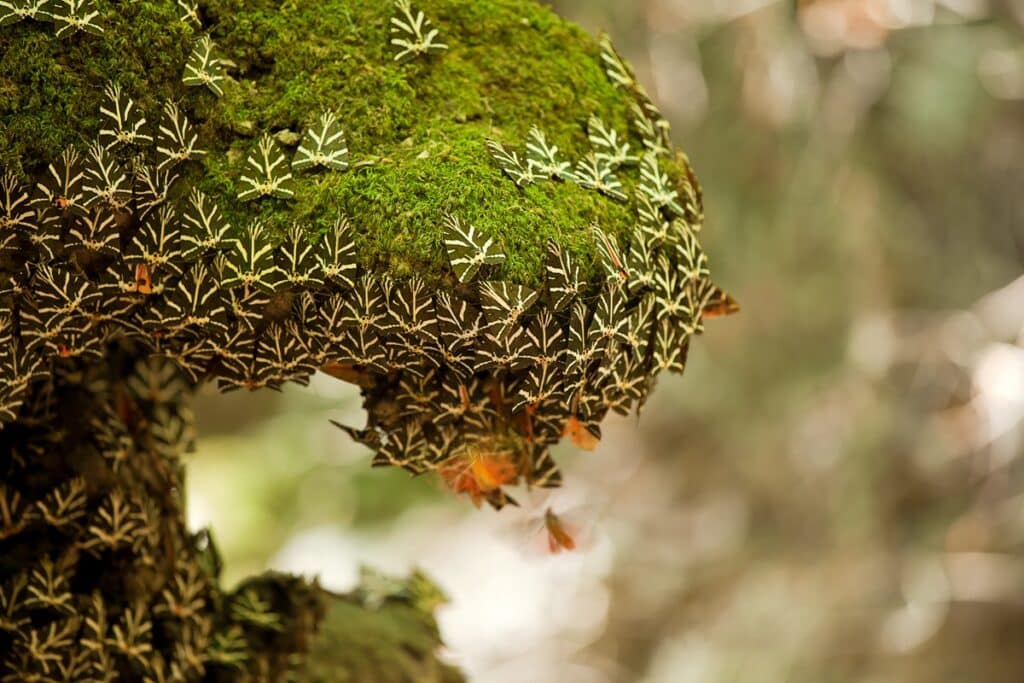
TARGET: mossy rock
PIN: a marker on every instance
(486, 304)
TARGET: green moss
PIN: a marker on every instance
(418, 128)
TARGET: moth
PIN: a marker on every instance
(123, 122)
(468, 249)
(479, 474)
(611, 257)
(364, 347)
(204, 68)
(62, 188)
(204, 230)
(72, 16)
(655, 229)
(542, 382)
(196, 303)
(640, 261)
(15, 212)
(594, 174)
(297, 261)
(176, 140)
(582, 427)
(671, 346)
(323, 145)
(560, 536)
(655, 186)
(156, 380)
(562, 277)
(507, 350)
(193, 357)
(105, 182)
(152, 188)
(652, 131)
(13, 11)
(544, 159)
(63, 300)
(413, 34)
(158, 242)
(608, 148)
(541, 468)
(622, 75)
(189, 13)
(97, 233)
(716, 303)
(267, 173)
(418, 395)
(504, 304)
(250, 263)
(283, 356)
(670, 291)
(640, 325)
(412, 310)
(693, 262)
(610, 320)
(366, 306)
(336, 254)
(522, 173)
(585, 346)
(624, 383)
(405, 448)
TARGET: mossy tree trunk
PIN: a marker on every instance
(487, 303)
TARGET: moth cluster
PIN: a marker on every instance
(110, 248)
(68, 16)
(109, 310)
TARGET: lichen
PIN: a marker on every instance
(417, 130)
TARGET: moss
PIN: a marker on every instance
(419, 128)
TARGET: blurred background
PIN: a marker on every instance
(835, 490)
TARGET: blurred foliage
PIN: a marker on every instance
(833, 493)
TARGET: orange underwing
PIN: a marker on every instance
(720, 305)
(559, 538)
